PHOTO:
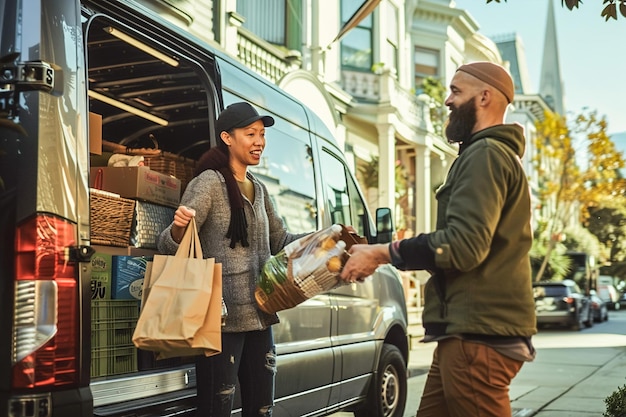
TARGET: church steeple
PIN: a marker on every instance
(550, 86)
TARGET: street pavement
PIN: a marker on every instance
(570, 377)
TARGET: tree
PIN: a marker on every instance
(608, 224)
(567, 192)
(434, 88)
(609, 11)
(557, 181)
(602, 182)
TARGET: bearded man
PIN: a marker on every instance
(479, 305)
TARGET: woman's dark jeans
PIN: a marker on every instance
(249, 356)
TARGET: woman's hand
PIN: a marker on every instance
(182, 217)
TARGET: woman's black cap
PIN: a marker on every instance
(240, 115)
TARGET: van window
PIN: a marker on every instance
(342, 200)
(286, 169)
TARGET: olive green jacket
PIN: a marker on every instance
(482, 278)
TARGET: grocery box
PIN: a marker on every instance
(113, 323)
(113, 360)
(111, 218)
(95, 133)
(150, 220)
(127, 277)
(140, 183)
(109, 310)
(111, 333)
(101, 264)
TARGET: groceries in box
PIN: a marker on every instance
(139, 183)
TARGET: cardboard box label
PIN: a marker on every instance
(127, 277)
(101, 264)
(101, 285)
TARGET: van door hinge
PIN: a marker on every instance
(17, 77)
(80, 253)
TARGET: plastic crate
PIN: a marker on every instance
(113, 361)
(107, 310)
(112, 333)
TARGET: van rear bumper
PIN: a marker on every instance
(72, 402)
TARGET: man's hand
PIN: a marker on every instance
(363, 261)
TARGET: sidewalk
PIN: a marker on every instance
(560, 382)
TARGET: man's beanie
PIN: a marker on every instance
(493, 74)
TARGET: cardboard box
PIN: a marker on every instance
(95, 133)
(101, 268)
(127, 277)
(140, 183)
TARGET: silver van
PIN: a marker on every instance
(155, 85)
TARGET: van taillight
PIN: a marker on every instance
(45, 325)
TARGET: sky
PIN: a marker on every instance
(591, 51)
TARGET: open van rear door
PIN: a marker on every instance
(44, 215)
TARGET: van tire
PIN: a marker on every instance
(387, 395)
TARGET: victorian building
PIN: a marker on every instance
(361, 66)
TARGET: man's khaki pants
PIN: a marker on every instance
(468, 379)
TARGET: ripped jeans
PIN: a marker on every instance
(248, 357)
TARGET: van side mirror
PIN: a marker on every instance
(384, 225)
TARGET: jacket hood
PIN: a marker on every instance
(510, 134)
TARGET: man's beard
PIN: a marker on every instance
(461, 122)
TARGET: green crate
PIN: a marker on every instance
(109, 333)
(113, 361)
(114, 310)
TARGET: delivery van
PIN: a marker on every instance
(79, 80)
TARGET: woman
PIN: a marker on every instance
(239, 227)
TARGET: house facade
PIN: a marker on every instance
(366, 83)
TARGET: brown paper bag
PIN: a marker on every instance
(181, 303)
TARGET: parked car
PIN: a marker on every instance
(562, 303)
(599, 307)
(607, 291)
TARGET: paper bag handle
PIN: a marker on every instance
(189, 246)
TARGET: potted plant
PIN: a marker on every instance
(616, 403)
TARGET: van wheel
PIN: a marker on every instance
(387, 396)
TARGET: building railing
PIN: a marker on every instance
(266, 59)
(273, 63)
(383, 87)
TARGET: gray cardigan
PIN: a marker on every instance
(241, 267)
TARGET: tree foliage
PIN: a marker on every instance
(578, 176)
(609, 11)
(434, 88)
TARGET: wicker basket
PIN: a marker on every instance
(111, 218)
(162, 161)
